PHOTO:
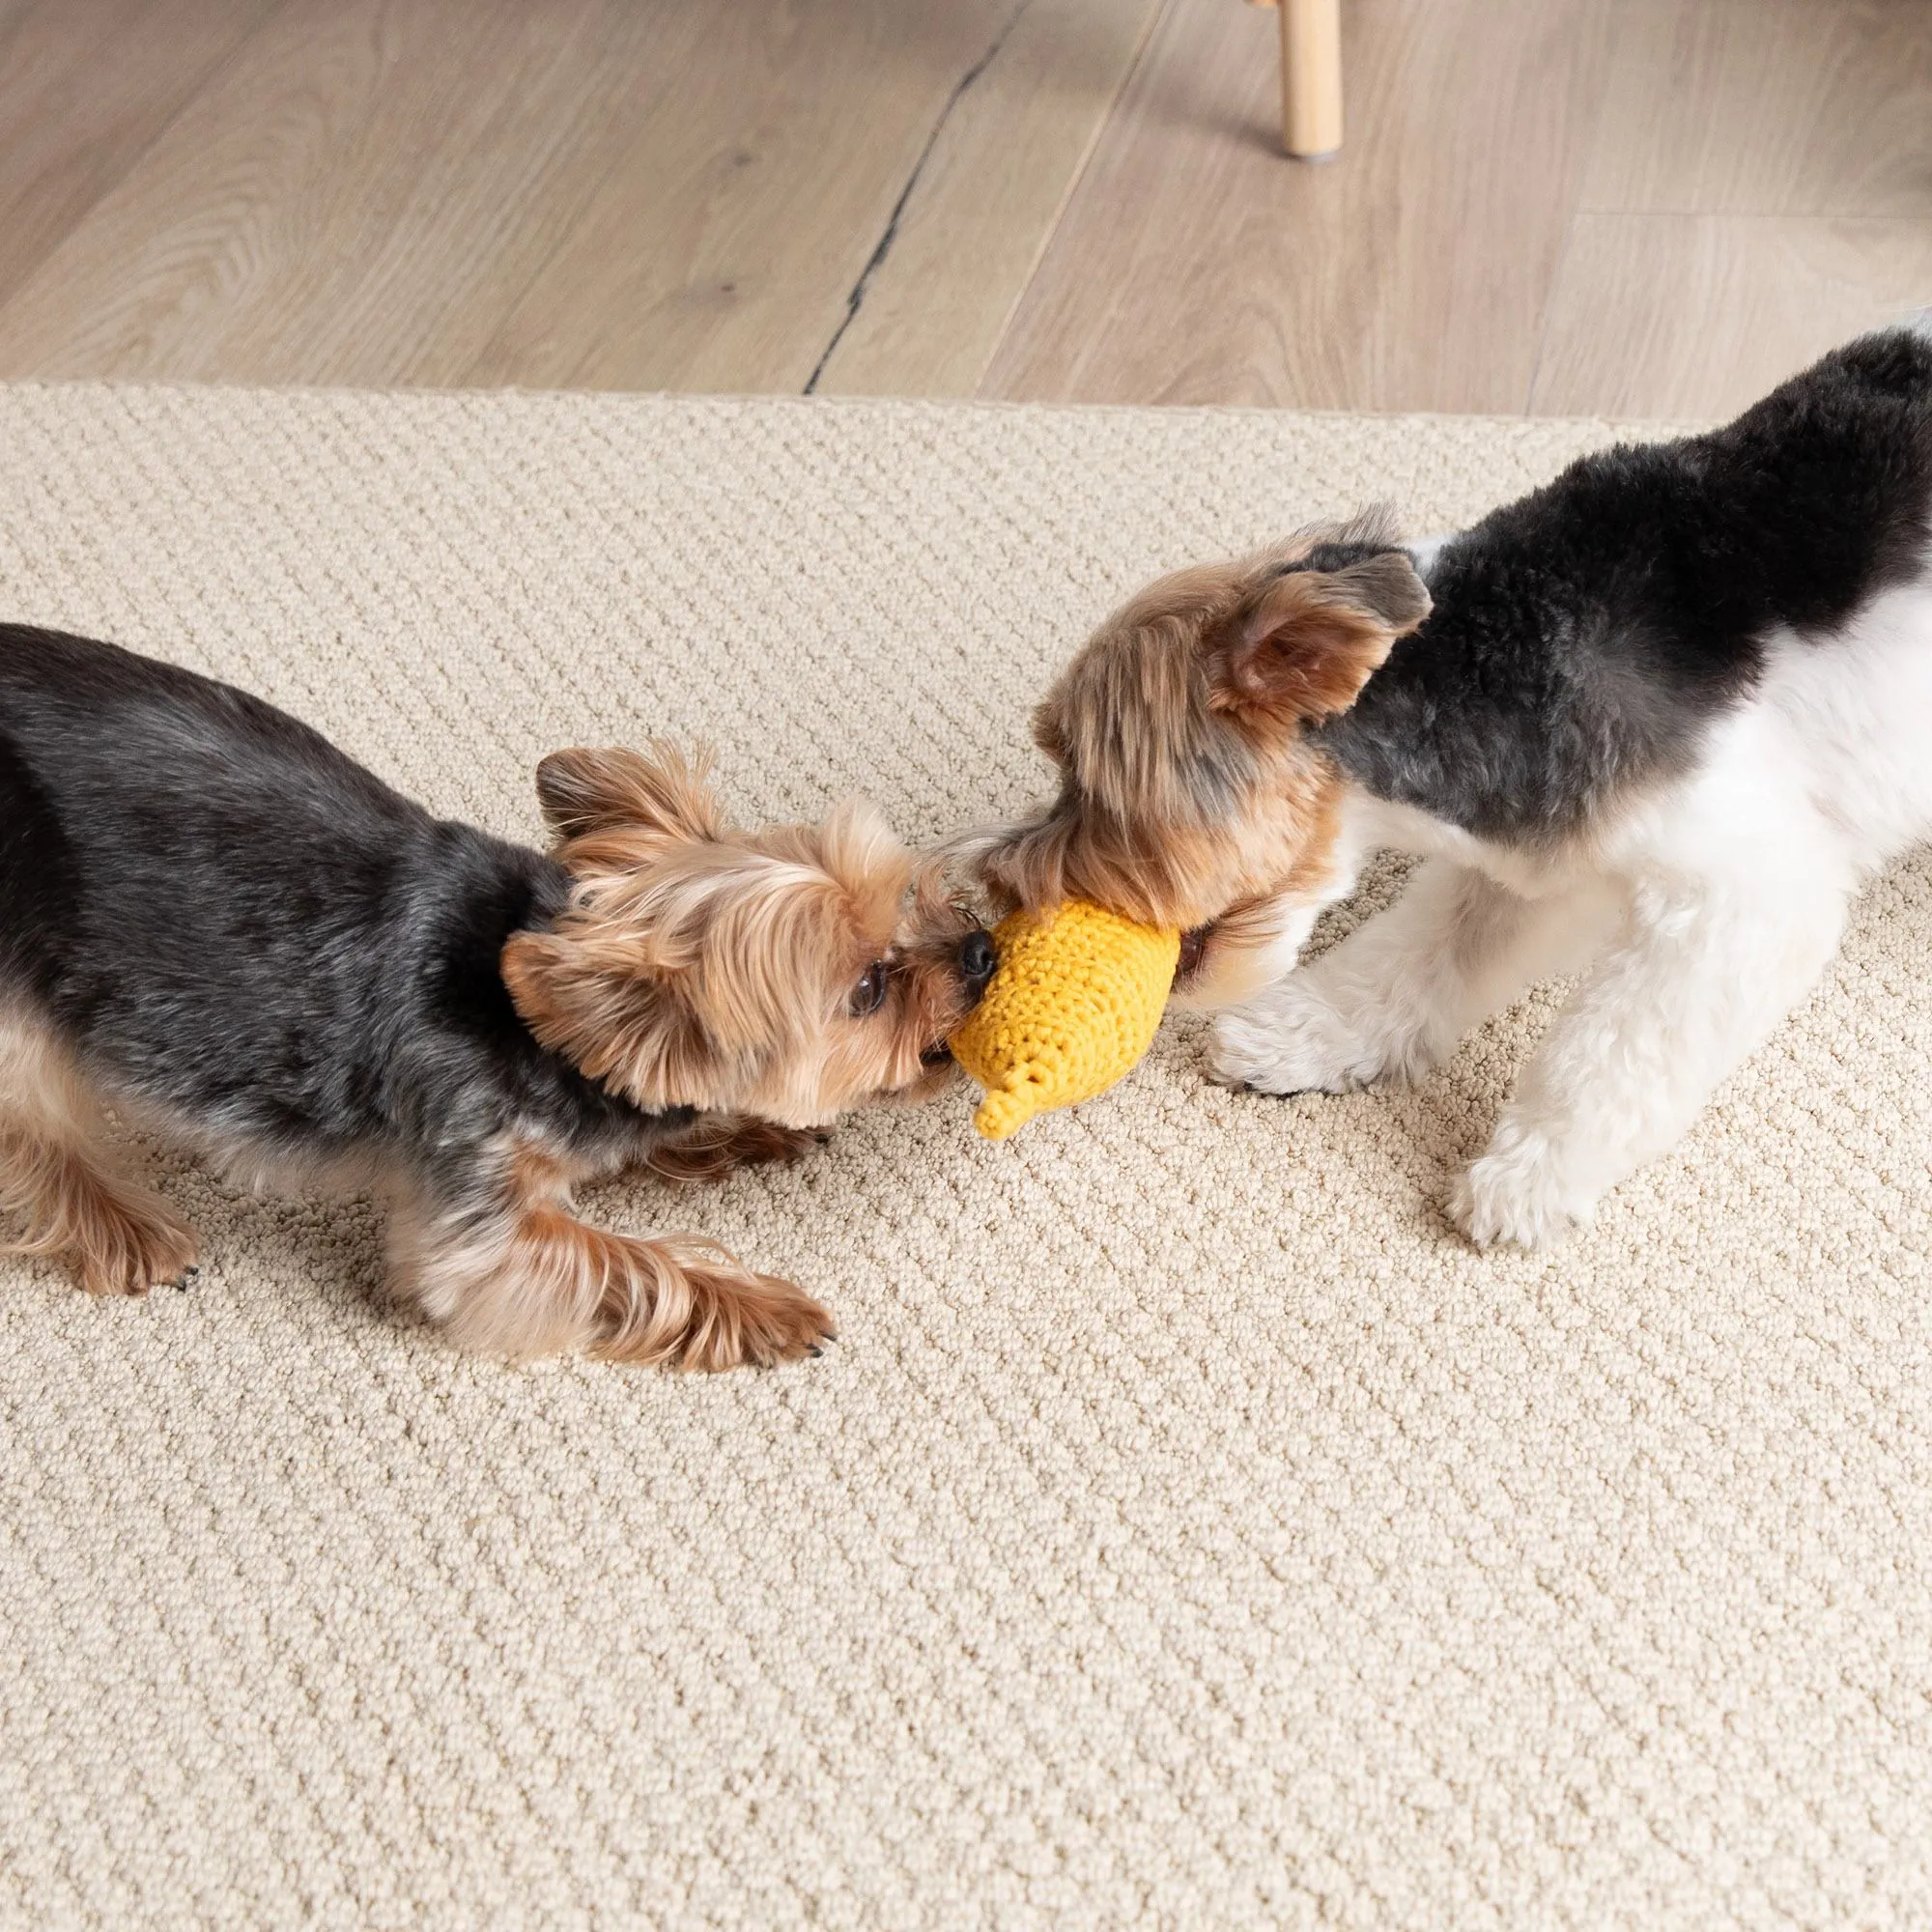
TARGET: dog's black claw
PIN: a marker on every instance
(186, 1279)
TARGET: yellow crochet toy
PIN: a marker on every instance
(1072, 1008)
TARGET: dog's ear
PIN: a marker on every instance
(667, 793)
(1049, 732)
(676, 981)
(1314, 638)
(626, 1029)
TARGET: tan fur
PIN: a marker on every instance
(705, 967)
(528, 1278)
(1188, 795)
(1231, 953)
(1304, 650)
(721, 1144)
(589, 789)
(56, 1175)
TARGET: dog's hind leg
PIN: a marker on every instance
(56, 1178)
(513, 1271)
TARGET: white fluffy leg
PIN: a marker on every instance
(1693, 983)
(1396, 996)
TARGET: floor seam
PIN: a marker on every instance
(855, 299)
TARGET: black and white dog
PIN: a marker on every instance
(1654, 723)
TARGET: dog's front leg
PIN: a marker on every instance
(1394, 997)
(508, 1269)
(1694, 980)
(717, 1146)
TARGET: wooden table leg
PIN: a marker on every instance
(1311, 77)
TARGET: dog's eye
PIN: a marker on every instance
(870, 994)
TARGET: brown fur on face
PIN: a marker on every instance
(1190, 796)
(705, 967)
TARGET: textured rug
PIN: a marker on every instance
(1188, 1530)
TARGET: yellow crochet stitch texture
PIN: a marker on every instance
(1072, 1006)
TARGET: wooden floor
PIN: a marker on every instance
(1629, 206)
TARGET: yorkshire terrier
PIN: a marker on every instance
(214, 923)
(1653, 724)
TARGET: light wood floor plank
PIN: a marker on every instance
(721, 248)
(1767, 108)
(1196, 264)
(985, 200)
(678, 193)
(85, 86)
(338, 205)
(579, 193)
(1698, 315)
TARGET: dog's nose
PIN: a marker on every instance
(976, 958)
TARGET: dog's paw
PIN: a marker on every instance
(130, 1242)
(1291, 1041)
(1516, 1193)
(742, 1319)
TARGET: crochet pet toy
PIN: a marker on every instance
(1072, 1006)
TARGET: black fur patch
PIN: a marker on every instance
(226, 918)
(1584, 638)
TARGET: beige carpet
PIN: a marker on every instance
(1186, 1531)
